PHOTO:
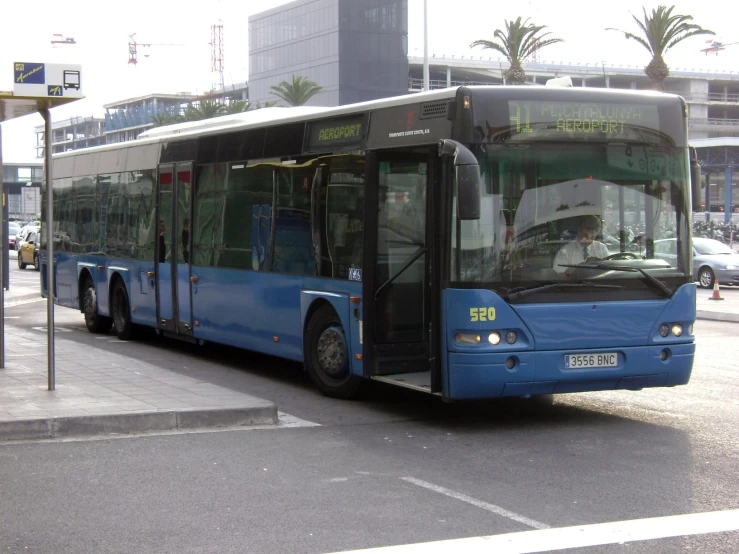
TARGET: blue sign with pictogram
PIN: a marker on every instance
(29, 73)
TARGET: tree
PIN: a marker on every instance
(236, 106)
(516, 43)
(659, 32)
(204, 110)
(298, 92)
(161, 119)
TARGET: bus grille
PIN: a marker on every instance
(434, 109)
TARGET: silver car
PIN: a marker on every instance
(712, 260)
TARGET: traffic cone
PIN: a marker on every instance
(716, 294)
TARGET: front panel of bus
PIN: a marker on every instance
(526, 310)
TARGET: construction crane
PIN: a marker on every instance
(716, 46)
(61, 39)
(133, 48)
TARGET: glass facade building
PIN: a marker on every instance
(356, 50)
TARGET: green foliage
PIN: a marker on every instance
(658, 32)
(516, 43)
(298, 92)
(204, 110)
(162, 119)
(236, 106)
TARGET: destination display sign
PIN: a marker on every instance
(345, 132)
(607, 120)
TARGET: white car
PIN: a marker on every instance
(22, 237)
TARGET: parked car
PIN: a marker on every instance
(22, 236)
(712, 260)
(28, 253)
(13, 230)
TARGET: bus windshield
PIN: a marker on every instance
(538, 196)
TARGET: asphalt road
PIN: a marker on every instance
(395, 467)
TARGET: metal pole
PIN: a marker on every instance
(2, 262)
(46, 113)
(425, 48)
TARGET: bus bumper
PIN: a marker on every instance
(485, 375)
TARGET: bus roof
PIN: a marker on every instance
(281, 115)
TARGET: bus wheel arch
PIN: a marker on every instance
(95, 322)
(120, 308)
(327, 355)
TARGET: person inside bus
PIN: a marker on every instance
(582, 249)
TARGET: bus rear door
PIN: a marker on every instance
(399, 290)
(174, 307)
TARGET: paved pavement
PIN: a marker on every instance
(99, 391)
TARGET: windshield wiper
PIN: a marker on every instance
(541, 288)
(651, 279)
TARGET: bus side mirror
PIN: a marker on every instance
(468, 192)
(695, 179)
(467, 174)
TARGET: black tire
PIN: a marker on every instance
(95, 322)
(706, 277)
(327, 356)
(121, 311)
(21, 265)
(36, 262)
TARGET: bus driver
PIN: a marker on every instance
(582, 249)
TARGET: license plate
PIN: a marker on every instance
(604, 359)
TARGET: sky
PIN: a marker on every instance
(179, 58)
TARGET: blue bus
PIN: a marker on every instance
(410, 240)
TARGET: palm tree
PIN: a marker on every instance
(204, 110)
(161, 119)
(660, 31)
(298, 92)
(516, 43)
(236, 106)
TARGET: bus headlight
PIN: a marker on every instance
(494, 338)
(664, 330)
(511, 337)
(677, 330)
(467, 338)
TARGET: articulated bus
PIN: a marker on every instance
(408, 240)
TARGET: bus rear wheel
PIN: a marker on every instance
(327, 355)
(95, 322)
(121, 311)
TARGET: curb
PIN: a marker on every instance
(11, 299)
(717, 316)
(136, 422)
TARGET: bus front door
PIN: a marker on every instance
(398, 295)
(172, 251)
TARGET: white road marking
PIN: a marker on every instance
(547, 540)
(478, 503)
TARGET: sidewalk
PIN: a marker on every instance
(100, 391)
(726, 309)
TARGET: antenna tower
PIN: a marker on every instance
(216, 53)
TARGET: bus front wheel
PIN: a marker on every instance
(327, 355)
(121, 311)
(95, 322)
